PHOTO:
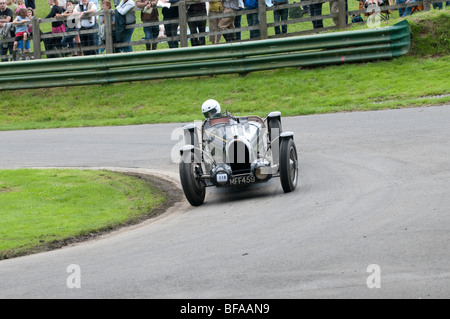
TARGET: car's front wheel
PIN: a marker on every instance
(288, 165)
(194, 187)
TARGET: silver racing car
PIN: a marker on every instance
(235, 151)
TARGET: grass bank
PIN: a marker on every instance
(414, 80)
(44, 209)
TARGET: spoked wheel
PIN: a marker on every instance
(193, 185)
(288, 165)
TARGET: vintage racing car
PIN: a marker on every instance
(235, 151)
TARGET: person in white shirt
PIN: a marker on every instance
(84, 9)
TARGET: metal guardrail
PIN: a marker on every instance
(330, 48)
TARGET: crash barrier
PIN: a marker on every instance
(299, 22)
(311, 50)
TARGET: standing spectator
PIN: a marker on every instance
(252, 18)
(195, 10)
(149, 14)
(96, 38)
(125, 15)
(20, 5)
(6, 16)
(13, 6)
(106, 5)
(170, 28)
(227, 23)
(215, 8)
(21, 22)
(315, 9)
(280, 15)
(83, 10)
(57, 27)
(238, 19)
(72, 25)
(30, 14)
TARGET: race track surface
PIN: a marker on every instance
(369, 219)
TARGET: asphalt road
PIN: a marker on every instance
(370, 218)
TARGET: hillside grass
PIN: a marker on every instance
(402, 82)
(43, 209)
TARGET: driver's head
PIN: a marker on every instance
(211, 109)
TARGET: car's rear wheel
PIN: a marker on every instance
(288, 165)
(193, 186)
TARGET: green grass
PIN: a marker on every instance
(401, 82)
(41, 208)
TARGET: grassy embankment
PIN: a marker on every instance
(45, 209)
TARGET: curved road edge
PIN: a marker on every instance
(174, 205)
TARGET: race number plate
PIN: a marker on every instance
(242, 180)
(222, 178)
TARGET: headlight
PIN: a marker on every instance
(262, 170)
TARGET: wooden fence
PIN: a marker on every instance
(340, 18)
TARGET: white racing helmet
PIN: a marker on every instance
(211, 109)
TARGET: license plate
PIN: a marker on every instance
(242, 180)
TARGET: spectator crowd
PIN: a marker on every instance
(73, 16)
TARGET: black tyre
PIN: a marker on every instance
(193, 186)
(288, 165)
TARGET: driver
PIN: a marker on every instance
(211, 109)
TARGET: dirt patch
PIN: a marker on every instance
(4, 189)
(170, 190)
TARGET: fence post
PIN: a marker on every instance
(426, 5)
(36, 38)
(108, 31)
(183, 23)
(342, 15)
(262, 19)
